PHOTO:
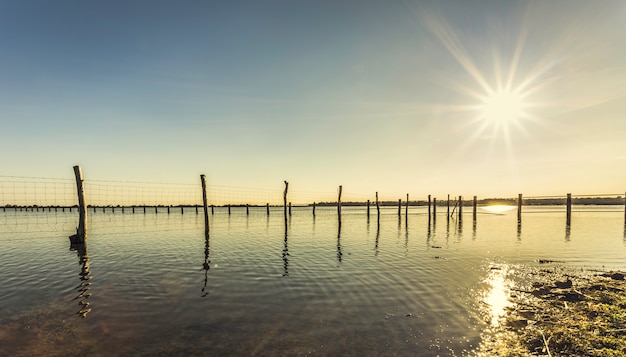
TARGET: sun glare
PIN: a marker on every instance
(503, 107)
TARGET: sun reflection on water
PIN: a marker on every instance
(498, 292)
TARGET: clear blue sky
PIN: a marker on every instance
(382, 96)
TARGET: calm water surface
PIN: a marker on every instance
(155, 284)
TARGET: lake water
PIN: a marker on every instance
(155, 284)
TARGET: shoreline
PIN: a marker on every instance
(559, 311)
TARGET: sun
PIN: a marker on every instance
(502, 107)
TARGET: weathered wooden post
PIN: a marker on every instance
(81, 230)
(399, 207)
(429, 207)
(448, 205)
(406, 206)
(368, 209)
(568, 203)
(519, 208)
(377, 207)
(474, 204)
(339, 202)
(204, 204)
(460, 208)
(285, 199)
(313, 209)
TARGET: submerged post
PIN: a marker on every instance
(81, 230)
(568, 203)
(204, 203)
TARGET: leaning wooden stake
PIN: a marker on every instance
(204, 204)
(81, 231)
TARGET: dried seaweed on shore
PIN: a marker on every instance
(563, 314)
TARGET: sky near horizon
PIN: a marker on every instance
(388, 96)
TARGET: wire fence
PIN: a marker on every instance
(51, 203)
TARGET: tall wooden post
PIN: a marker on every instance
(460, 208)
(429, 207)
(519, 208)
(568, 203)
(474, 204)
(81, 230)
(406, 206)
(399, 207)
(339, 202)
(377, 207)
(448, 205)
(285, 198)
(368, 208)
(204, 204)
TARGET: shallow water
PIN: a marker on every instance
(155, 284)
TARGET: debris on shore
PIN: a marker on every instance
(562, 313)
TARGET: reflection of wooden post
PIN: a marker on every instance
(204, 204)
(474, 208)
(568, 203)
(81, 231)
(519, 208)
